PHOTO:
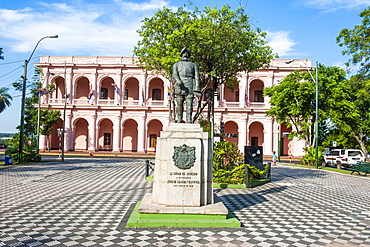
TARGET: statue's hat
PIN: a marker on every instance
(184, 50)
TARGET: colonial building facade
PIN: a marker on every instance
(110, 104)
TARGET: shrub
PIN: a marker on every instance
(227, 163)
(310, 157)
(236, 176)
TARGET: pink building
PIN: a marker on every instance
(113, 105)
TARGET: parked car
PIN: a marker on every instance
(344, 157)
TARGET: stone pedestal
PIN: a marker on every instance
(183, 170)
(182, 191)
(183, 167)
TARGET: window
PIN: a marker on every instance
(125, 97)
(104, 93)
(354, 153)
(237, 96)
(156, 94)
(107, 137)
(153, 140)
(258, 97)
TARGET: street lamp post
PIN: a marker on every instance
(316, 80)
(21, 130)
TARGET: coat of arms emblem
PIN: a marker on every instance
(184, 156)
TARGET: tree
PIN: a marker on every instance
(353, 116)
(292, 103)
(48, 119)
(221, 41)
(357, 41)
(293, 100)
(355, 122)
(5, 99)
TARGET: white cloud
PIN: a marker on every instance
(340, 65)
(280, 42)
(333, 5)
(151, 5)
(86, 29)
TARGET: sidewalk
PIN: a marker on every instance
(85, 202)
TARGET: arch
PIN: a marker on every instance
(231, 132)
(130, 136)
(256, 91)
(132, 88)
(256, 137)
(285, 142)
(154, 128)
(231, 95)
(55, 138)
(59, 87)
(156, 89)
(83, 88)
(105, 135)
(107, 83)
(81, 134)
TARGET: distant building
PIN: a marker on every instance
(112, 105)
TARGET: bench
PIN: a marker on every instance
(361, 167)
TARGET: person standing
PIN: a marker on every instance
(274, 158)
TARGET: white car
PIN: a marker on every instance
(344, 157)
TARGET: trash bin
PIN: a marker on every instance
(8, 157)
(8, 160)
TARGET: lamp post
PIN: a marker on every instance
(21, 130)
(316, 108)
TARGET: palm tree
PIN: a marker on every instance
(4, 99)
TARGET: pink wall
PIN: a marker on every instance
(256, 130)
(81, 134)
(129, 137)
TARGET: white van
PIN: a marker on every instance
(344, 157)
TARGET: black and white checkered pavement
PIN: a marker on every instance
(86, 203)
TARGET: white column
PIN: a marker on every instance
(68, 134)
(267, 137)
(92, 133)
(276, 128)
(69, 86)
(117, 81)
(242, 91)
(42, 143)
(116, 133)
(95, 87)
(141, 134)
(222, 95)
(242, 134)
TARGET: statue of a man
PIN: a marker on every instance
(187, 80)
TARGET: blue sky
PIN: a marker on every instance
(296, 29)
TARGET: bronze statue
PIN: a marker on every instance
(187, 81)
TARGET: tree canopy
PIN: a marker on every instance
(5, 99)
(357, 41)
(293, 100)
(221, 41)
(355, 121)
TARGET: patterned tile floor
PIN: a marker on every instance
(83, 202)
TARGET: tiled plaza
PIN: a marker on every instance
(85, 202)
